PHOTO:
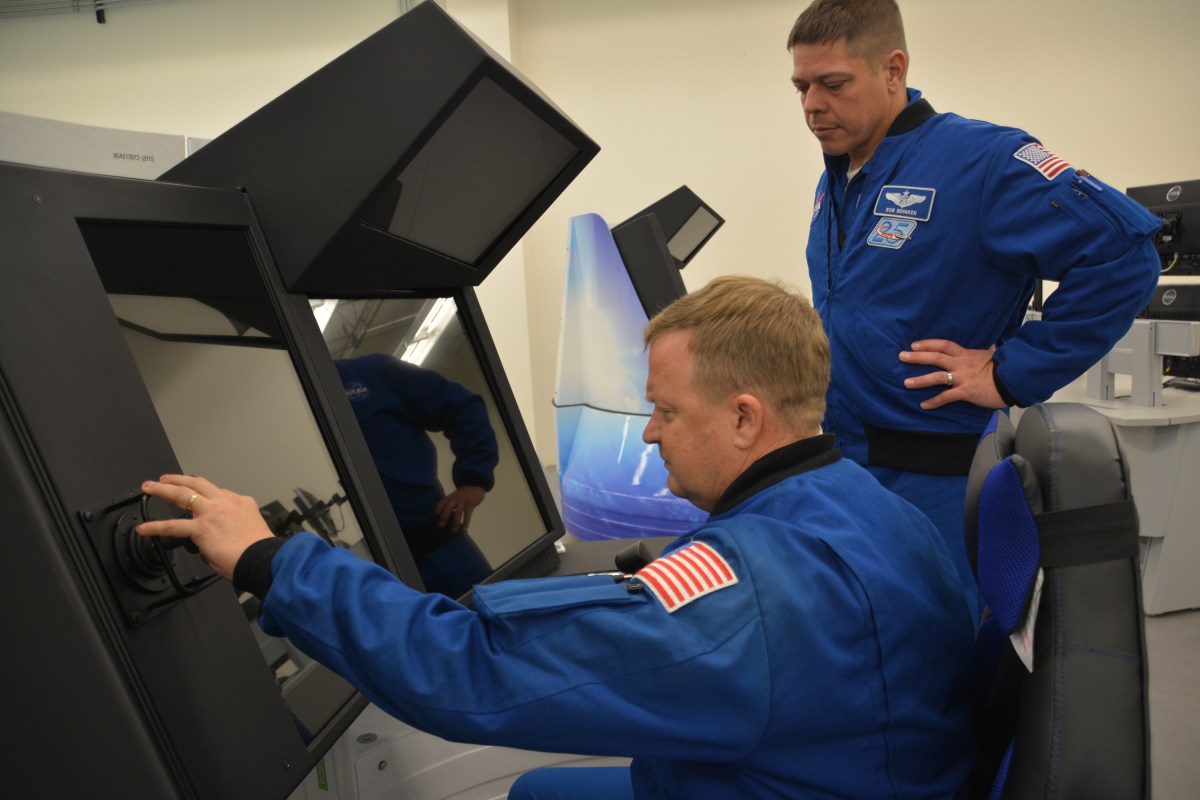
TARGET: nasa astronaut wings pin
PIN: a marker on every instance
(686, 575)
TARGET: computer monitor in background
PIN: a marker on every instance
(1178, 204)
(687, 223)
(659, 241)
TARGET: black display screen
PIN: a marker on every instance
(231, 402)
(432, 421)
(479, 171)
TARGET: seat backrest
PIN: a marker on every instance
(1052, 496)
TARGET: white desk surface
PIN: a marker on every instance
(1179, 405)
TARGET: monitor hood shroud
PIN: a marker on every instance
(321, 162)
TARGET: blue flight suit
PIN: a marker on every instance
(824, 651)
(943, 234)
(396, 404)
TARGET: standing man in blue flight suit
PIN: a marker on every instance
(928, 236)
(809, 639)
(397, 406)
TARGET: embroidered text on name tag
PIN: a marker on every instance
(905, 202)
(686, 575)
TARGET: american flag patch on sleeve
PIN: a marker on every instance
(686, 575)
(1042, 160)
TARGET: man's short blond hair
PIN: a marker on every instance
(870, 28)
(756, 337)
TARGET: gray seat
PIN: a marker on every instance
(1052, 495)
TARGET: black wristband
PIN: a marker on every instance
(485, 482)
(1005, 394)
(252, 573)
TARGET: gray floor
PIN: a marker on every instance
(1173, 644)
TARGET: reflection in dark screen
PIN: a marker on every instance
(433, 427)
(237, 415)
(229, 399)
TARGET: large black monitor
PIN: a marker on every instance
(153, 335)
(416, 160)
(1178, 205)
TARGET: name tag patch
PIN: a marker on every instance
(357, 391)
(906, 202)
(891, 233)
(686, 575)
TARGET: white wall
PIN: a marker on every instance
(698, 92)
(188, 66)
(675, 91)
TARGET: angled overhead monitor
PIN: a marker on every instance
(686, 221)
(416, 160)
(659, 241)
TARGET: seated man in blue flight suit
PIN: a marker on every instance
(809, 639)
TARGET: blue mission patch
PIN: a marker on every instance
(891, 233)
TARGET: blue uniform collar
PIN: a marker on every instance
(793, 459)
(914, 115)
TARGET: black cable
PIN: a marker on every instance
(168, 564)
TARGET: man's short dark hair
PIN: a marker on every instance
(870, 28)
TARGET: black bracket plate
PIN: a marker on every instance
(135, 569)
